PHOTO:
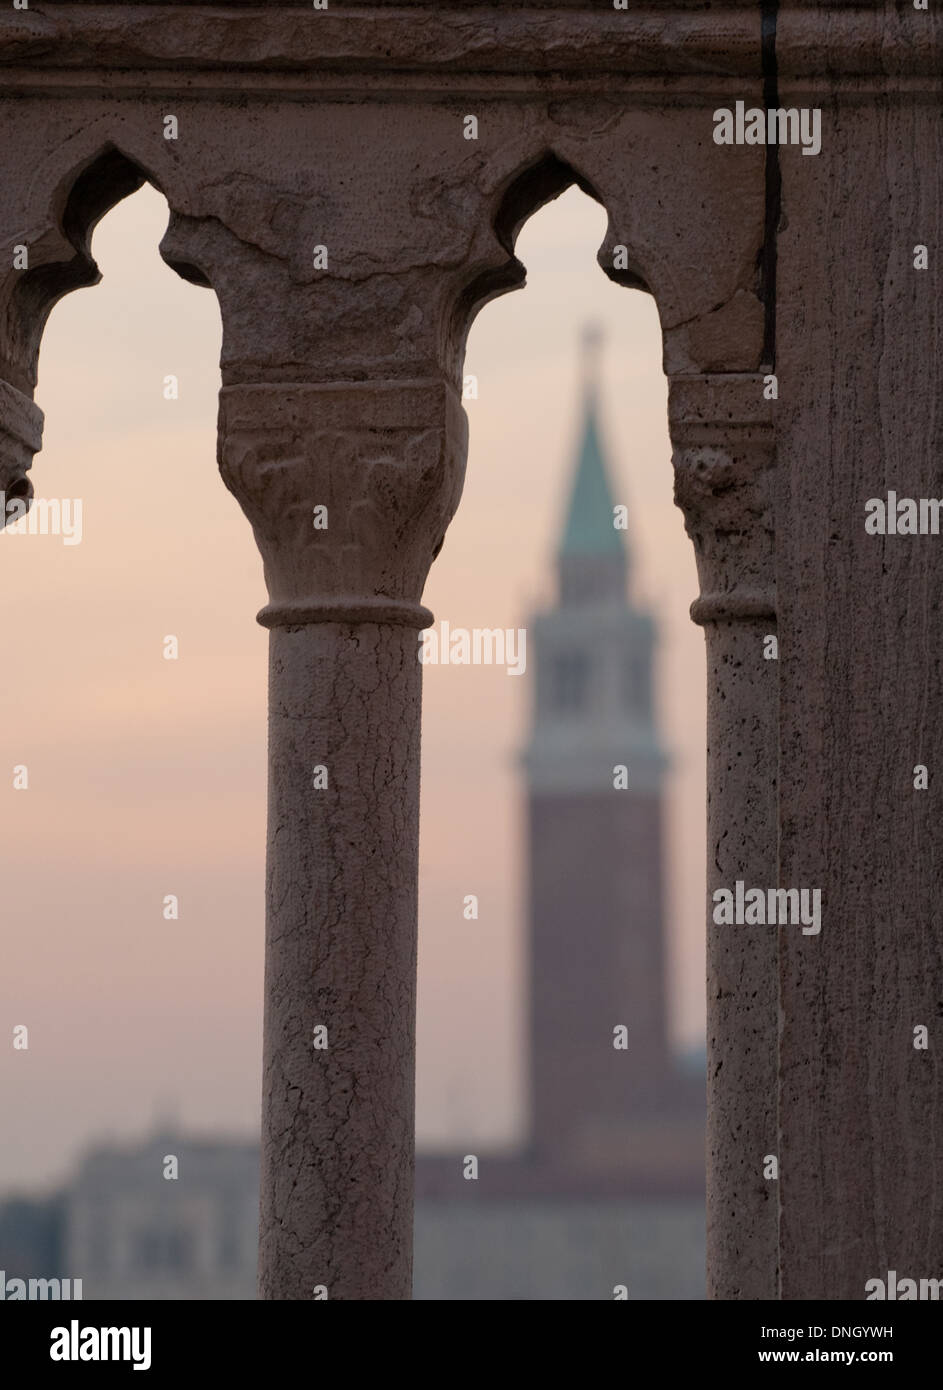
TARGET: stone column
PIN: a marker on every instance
(722, 442)
(386, 461)
(859, 335)
(21, 436)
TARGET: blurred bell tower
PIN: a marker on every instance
(596, 928)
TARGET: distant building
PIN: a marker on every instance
(31, 1237)
(131, 1232)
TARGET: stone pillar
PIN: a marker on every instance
(859, 333)
(21, 436)
(386, 460)
(722, 438)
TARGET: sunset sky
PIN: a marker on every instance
(147, 777)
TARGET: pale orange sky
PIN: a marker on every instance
(147, 777)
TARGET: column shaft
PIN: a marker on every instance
(722, 453)
(337, 1156)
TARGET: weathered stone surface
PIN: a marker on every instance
(386, 461)
(446, 39)
(721, 428)
(21, 435)
(861, 1111)
(337, 1128)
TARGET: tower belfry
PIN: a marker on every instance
(596, 916)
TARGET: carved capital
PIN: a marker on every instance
(723, 453)
(21, 436)
(387, 462)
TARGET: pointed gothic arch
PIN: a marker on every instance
(69, 192)
(75, 188)
(523, 192)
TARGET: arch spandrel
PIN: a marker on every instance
(691, 217)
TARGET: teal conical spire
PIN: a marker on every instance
(588, 529)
